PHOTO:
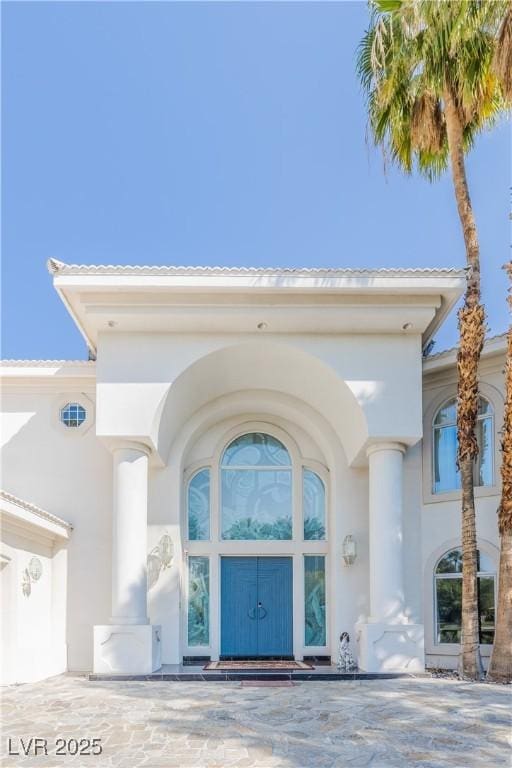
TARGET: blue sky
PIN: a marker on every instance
(209, 133)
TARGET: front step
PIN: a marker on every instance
(182, 674)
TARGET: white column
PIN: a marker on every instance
(129, 644)
(387, 642)
(129, 535)
(386, 532)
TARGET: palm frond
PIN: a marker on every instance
(428, 128)
(502, 60)
(411, 52)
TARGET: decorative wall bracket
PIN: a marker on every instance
(159, 559)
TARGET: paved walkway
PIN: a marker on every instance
(389, 723)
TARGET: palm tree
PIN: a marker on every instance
(500, 668)
(430, 70)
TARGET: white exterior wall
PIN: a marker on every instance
(33, 643)
(359, 382)
(441, 513)
(327, 393)
(340, 392)
(69, 474)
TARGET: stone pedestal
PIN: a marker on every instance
(390, 647)
(127, 648)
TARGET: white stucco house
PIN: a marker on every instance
(255, 461)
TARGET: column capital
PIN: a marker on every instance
(129, 445)
(386, 446)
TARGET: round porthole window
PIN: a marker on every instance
(73, 415)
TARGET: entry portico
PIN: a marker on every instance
(322, 365)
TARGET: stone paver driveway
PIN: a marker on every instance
(423, 722)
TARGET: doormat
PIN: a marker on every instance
(267, 684)
(259, 665)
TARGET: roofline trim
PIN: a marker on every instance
(46, 363)
(38, 511)
(57, 268)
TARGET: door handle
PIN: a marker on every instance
(261, 608)
(252, 613)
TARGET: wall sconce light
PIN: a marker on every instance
(30, 575)
(349, 550)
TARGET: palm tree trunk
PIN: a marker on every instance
(500, 667)
(472, 332)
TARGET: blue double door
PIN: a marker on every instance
(256, 607)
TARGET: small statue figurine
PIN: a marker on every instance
(346, 661)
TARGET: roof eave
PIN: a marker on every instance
(27, 514)
(70, 279)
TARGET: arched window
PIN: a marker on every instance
(198, 506)
(446, 475)
(448, 597)
(256, 489)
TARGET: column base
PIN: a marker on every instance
(127, 648)
(390, 647)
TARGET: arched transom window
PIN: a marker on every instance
(256, 495)
(256, 489)
(446, 475)
(448, 596)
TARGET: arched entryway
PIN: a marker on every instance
(256, 536)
